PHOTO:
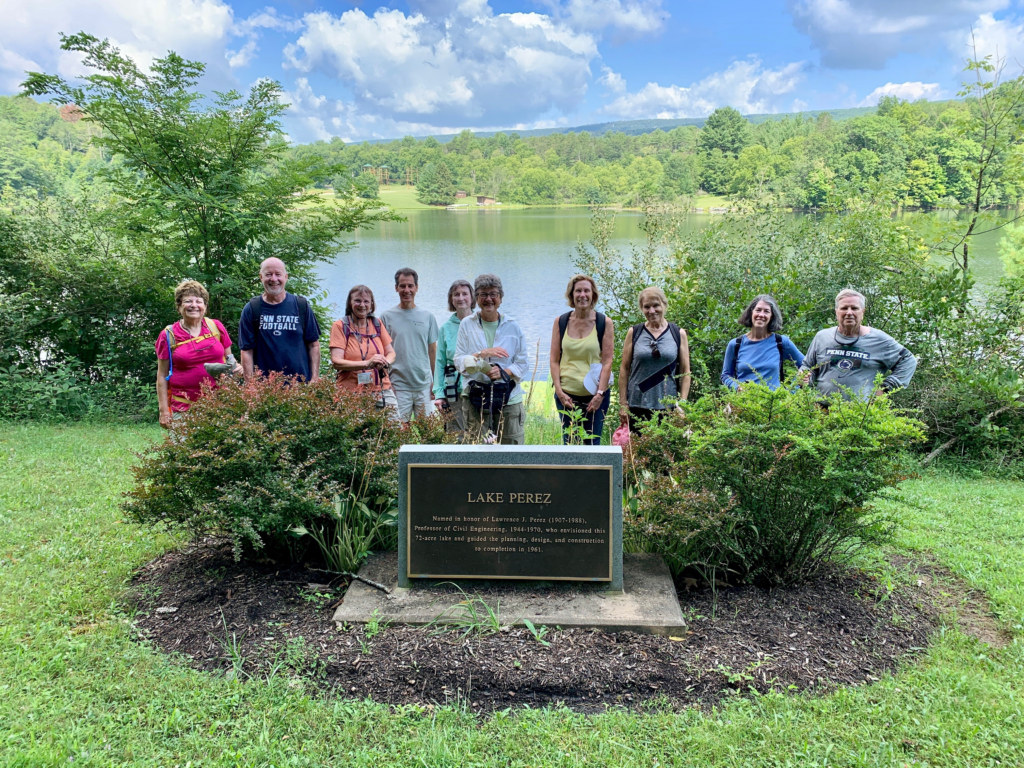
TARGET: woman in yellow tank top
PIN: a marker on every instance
(582, 348)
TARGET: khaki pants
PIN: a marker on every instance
(509, 426)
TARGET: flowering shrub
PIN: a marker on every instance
(766, 485)
(258, 461)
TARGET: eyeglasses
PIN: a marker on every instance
(655, 350)
(491, 295)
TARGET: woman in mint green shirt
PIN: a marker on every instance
(446, 377)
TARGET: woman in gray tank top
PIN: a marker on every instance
(655, 362)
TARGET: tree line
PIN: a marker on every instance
(922, 152)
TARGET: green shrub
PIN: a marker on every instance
(968, 390)
(766, 485)
(256, 462)
(61, 392)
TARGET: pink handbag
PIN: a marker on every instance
(621, 437)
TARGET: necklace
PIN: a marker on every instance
(835, 338)
(189, 331)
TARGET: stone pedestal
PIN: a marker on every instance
(647, 602)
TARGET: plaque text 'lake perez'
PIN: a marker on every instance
(509, 522)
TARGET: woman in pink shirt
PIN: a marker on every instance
(182, 350)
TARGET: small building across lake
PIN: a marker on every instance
(460, 193)
(484, 200)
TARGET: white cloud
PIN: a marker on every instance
(613, 81)
(13, 68)
(626, 19)
(30, 31)
(907, 91)
(204, 30)
(999, 38)
(242, 56)
(865, 34)
(312, 116)
(744, 85)
(471, 67)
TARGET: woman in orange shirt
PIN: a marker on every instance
(361, 349)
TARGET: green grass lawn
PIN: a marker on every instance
(75, 689)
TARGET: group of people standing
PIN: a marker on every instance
(473, 365)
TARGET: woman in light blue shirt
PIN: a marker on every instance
(759, 355)
(447, 379)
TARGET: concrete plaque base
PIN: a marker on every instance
(647, 603)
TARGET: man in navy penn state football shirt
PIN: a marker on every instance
(285, 337)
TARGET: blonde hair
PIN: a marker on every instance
(572, 286)
(190, 288)
(652, 291)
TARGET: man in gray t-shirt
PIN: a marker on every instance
(414, 336)
(848, 358)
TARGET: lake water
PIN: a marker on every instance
(531, 250)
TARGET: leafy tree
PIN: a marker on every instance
(1011, 250)
(206, 185)
(367, 185)
(434, 185)
(717, 169)
(924, 183)
(682, 173)
(753, 171)
(726, 130)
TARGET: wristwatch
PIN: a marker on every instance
(600, 393)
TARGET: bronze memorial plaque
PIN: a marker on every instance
(509, 522)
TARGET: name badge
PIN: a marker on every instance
(364, 377)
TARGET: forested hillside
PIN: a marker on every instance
(42, 146)
(918, 151)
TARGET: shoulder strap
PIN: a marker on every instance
(169, 330)
(563, 325)
(601, 319)
(782, 358)
(736, 357)
(212, 328)
(677, 337)
(376, 324)
(303, 312)
(637, 330)
(254, 317)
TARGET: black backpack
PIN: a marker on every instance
(563, 326)
(778, 345)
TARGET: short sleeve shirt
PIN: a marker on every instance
(412, 331)
(187, 359)
(360, 346)
(280, 342)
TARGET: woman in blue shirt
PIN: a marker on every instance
(759, 355)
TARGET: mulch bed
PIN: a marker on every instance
(843, 629)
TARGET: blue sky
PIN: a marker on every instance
(360, 70)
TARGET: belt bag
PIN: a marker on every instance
(493, 396)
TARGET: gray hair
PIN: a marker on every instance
(846, 292)
(747, 318)
(454, 287)
(486, 281)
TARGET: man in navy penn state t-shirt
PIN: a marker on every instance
(286, 337)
